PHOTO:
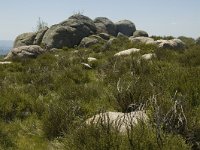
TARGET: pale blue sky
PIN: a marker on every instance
(157, 17)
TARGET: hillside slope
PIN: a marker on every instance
(45, 101)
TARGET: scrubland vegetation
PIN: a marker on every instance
(44, 102)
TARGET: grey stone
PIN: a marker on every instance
(87, 66)
(121, 35)
(85, 21)
(104, 36)
(96, 37)
(24, 39)
(91, 59)
(39, 36)
(119, 120)
(88, 41)
(175, 44)
(148, 56)
(58, 36)
(126, 27)
(127, 52)
(91, 40)
(5, 62)
(105, 25)
(30, 51)
(139, 33)
(142, 40)
(69, 32)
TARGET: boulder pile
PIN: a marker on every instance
(71, 32)
(80, 30)
(31, 51)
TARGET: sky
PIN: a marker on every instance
(157, 17)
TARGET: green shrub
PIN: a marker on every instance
(187, 40)
(58, 93)
(5, 141)
(101, 137)
(191, 57)
(60, 117)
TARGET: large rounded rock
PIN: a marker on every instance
(139, 33)
(81, 23)
(83, 20)
(39, 36)
(31, 51)
(126, 27)
(69, 32)
(59, 36)
(25, 39)
(104, 25)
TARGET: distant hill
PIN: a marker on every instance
(5, 46)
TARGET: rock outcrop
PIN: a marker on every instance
(139, 33)
(126, 27)
(69, 32)
(105, 25)
(120, 121)
(81, 21)
(176, 44)
(75, 29)
(25, 39)
(59, 36)
(31, 51)
(32, 38)
(83, 31)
